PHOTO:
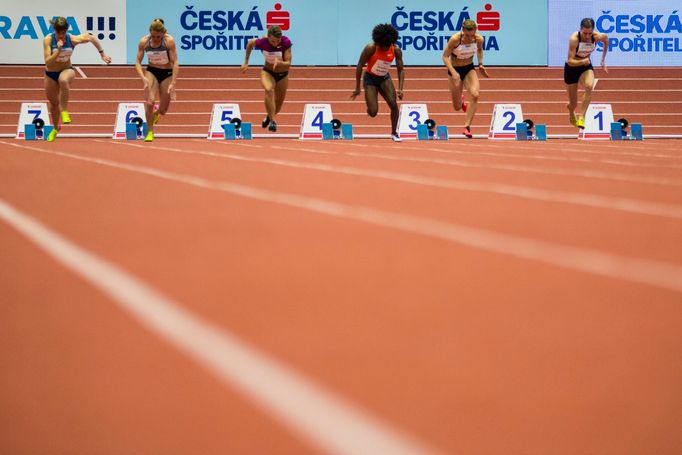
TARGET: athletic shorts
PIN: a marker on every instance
(161, 74)
(463, 70)
(572, 73)
(54, 75)
(371, 79)
(277, 76)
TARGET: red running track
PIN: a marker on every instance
(291, 297)
(651, 96)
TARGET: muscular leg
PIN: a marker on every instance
(572, 90)
(150, 94)
(65, 78)
(473, 87)
(281, 93)
(372, 100)
(587, 81)
(268, 83)
(164, 98)
(455, 84)
(387, 91)
(52, 93)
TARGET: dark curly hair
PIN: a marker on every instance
(384, 35)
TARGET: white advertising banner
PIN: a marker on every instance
(23, 25)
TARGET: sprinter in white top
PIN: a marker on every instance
(161, 72)
(578, 68)
(458, 57)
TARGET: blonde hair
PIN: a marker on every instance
(469, 25)
(157, 26)
(59, 24)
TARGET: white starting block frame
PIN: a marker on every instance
(314, 116)
(222, 114)
(504, 120)
(124, 114)
(411, 116)
(30, 112)
(598, 119)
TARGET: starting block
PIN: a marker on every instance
(336, 130)
(30, 132)
(136, 129)
(126, 114)
(236, 129)
(524, 131)
(619, 131)
(347, 131)
(327, 132)
(37, 130)
(229, 131)
(245, 131)
(428, 131)
(36, 117)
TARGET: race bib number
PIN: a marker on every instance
(65, 54)
(272, 57)
(380, 68)
(158, 57)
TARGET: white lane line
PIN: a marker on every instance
(503, 167)
(591, 158)
(81, 72)
(596, 262)
(324, 419)
(585, 199)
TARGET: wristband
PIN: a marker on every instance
(101, 51)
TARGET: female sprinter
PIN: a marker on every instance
(378, 57)
(161, 72)
(276, 49)
(57, 48)
(458, 57)
(578, 68)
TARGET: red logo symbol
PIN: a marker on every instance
(488, 20)
(277, 17)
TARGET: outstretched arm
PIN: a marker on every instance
(88, 38)
(249, 48)
(605, 41)
(401, 71)
(362, 61)
(173, 56)
(479, 55)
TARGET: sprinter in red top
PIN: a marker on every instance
(378, 57)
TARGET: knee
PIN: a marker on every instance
(270, 92)
(588, 91)
(63, 85)
(473, 96)
(372, 111)
(393, 106)
(163, 110)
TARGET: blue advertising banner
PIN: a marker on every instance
(514, 32)
(333, 32)
(215, 32)
(641, 32)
